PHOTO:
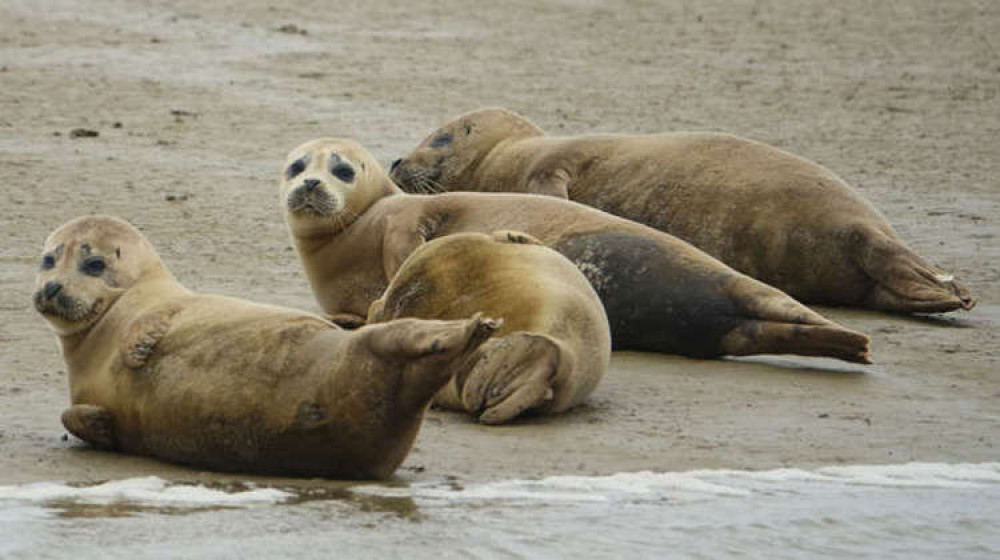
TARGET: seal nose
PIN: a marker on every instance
(51, 289)
(311, 184)
(394, 164)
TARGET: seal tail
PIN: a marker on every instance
(904, 282)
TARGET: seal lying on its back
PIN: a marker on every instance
(553, 346)
(225, 384)
(353, 229)
(779, 218)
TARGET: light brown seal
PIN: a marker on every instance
(353, 228)
(777, 217)
(225, 384)
(553, 346)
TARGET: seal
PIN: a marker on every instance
(353, 228)
(777, 217)
(553, 346)
(225, 384)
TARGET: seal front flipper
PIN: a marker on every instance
(904, 282)
(142, 336)
(551, 183)
(91, 423)
(402, 237)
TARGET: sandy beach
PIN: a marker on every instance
(190, 108)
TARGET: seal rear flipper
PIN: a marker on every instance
(435, 350)
(514, 374)
(408, 339)
(91, 423)
(758, 301)
(768, 337)
(905, 282)
(668, 298)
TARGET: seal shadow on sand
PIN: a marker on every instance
(758, 365)
(982, 316)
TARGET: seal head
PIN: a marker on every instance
(451, 154)
(86, 265)
(327, 183)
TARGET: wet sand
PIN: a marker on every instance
(196, 105)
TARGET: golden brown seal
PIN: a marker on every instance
(353, 229)
(777, 217)
(222, 383)
(553, 346)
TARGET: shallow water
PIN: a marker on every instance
(902, 511)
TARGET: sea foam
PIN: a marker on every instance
(704, 484)
(633, 486)
(150, 490)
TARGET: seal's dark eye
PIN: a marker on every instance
(442, 139)
(48, 261)
(297, 166)
(94, 266)
(343, 172)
